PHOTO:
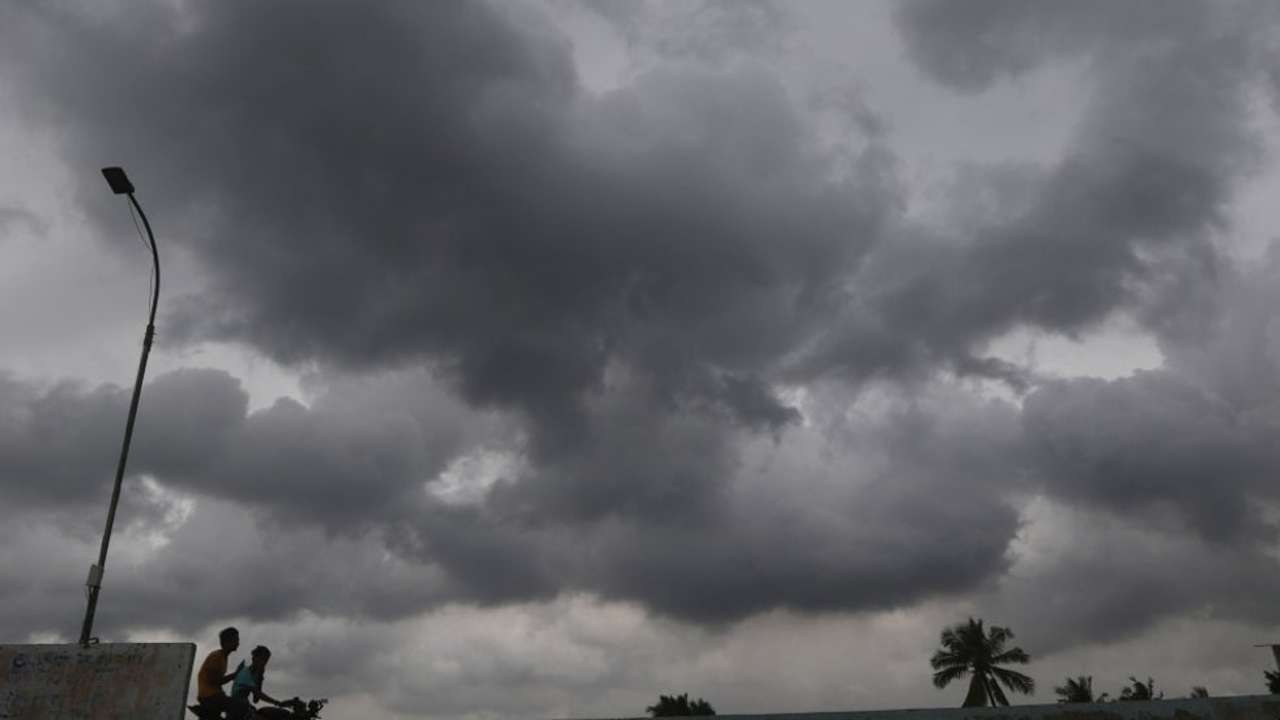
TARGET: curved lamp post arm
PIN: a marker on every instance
(120, 184)
(155, 261)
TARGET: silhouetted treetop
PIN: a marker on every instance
(1273, 681)
(968, 650)
(1137, 690)
(1078, 690)
(679, 706)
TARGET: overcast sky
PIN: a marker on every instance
(532, 359)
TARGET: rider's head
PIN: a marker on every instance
(260, 656)
(229, 639)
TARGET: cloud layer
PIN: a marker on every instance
(667, 346)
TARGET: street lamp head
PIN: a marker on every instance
(118, 181)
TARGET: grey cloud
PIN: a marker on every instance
(636, 458)
(361, 452)
(358, 451)
(220, 563)
(309, 491)
(475, 210)
(58, 445)
(1194, 438)
(1100, 581)
(1171, 473)
(1123, 221)
(527, 236)
(189, 421)
(971, 45)
(855, 533)
(887, 525)
(227, 562)
(714, 31)
(287, 496)
(13, 217)
(626, 272)
(1138, 444)
(1231, 345)
(484, 213)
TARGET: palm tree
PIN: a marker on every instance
(679, 706)
(1137, 690)
(968, 650)
(1078, 690)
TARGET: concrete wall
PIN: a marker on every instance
(1240, 707)
(111, 681)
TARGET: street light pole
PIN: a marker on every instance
(120, 185)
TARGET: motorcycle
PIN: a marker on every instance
(292, 709)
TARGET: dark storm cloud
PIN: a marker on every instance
(58, 452)
(311, 491)
(345, 484)
(1231, 348)
(351, 457)
(1124, 220)
(639, 457)
(1153, 443)
(1173, 472)
(58, 444)
(632, 273)
(219, 563)
(1113, 582)
(494, 217)
(1189, 446)
(969, 46)
(784, 535)
(448, 191)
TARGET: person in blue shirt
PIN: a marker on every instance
(249, 678)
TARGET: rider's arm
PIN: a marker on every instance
(263, 696)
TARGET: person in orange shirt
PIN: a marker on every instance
(213, 675)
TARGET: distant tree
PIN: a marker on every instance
(970, 651)
(1137, 690)
(679, 706)
(1199, 691)
(1078, 690)
(701, 707)
(1273, 681)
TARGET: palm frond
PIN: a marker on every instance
(1076, 690)
(944, 659)
(942, 678)
(1015, 680)
(997, 638)
(1012, 655)
(997, 695)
